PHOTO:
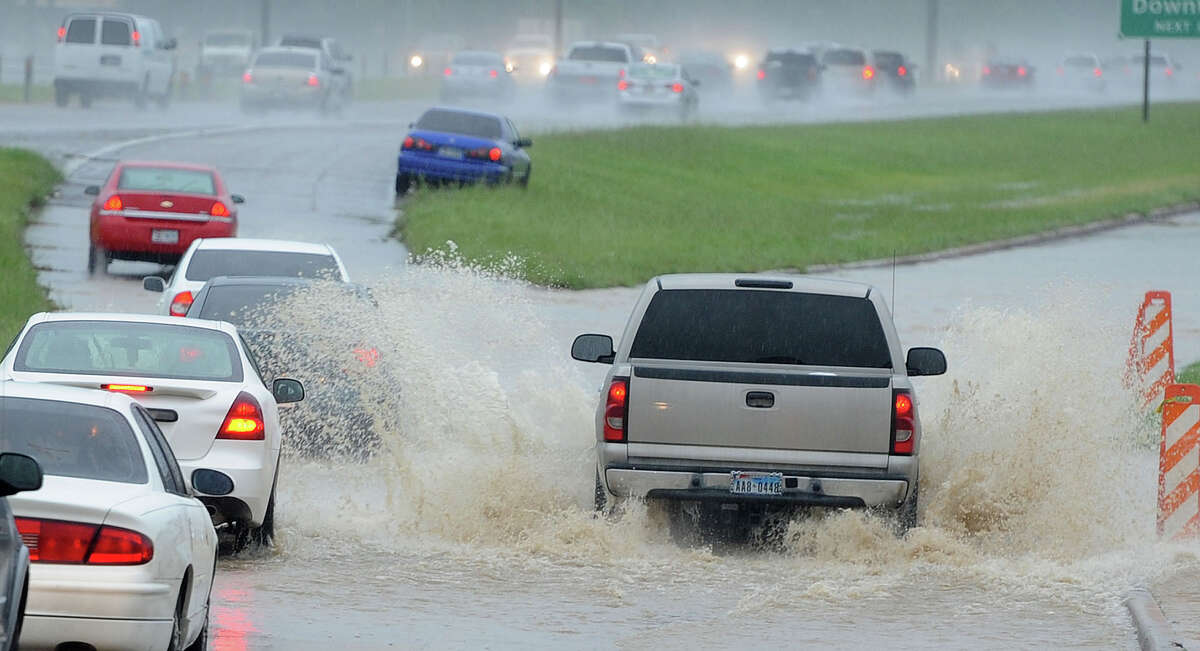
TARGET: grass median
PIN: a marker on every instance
(617, 207)
(1190, 374)
(25, 180)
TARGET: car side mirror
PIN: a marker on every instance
(170, 44)
(154, 284)
(287, 390)
(211, 482)
(237, 198)
(695, 82)
(925, 361)
(523, 143)
(18, 473)
(92, 190)
(593, 348)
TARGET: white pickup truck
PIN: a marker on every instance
(758, 393)
(591, 70)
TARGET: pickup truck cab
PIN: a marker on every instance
(760, 391)
(591, 71)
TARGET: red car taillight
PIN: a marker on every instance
(903, 419)
(181, 303)
(622, 85)
(1021, 71)
(244, 422)
(313, 81)
(76, 543)
(868, 72)
(137, 39)
(218, 210)
(493, 74)
(114, 203)
(1097, 72)
(408, 143)
(676, 88)
(447, 72)
(986, 71)
(762, 74)
(417, 143)
(616, 410)
(248, 78)
(493, 154)
(62, 32)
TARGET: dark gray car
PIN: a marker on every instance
(18, 473)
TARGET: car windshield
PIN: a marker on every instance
(130, 349)
(889, 59)
(469, 124)
(1080, 62)
(598, 53)
(1157, 61)
(210, 263)
(844, 58)
(304, 60)
(165, 179)
(227, 40)
(72, 440)
(478, 59)
(293, 40)
(653, 71)
(532, 41)
(792, 58)
(760, 326)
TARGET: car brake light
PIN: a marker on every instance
(181, 303)
(902, 71)
(218, 210)
(313, 81)
(244, 422)
(493, 73)
(137, 39)
(903, 417)
(248, 78)
(622, 85)
(677, 87)
(408, 142)
(1170, 72)
(762, 74)
(1097, 72)
(986, 71)
(616, 410)
(447, 72)
(77, 543)
(1021, 71)
(62, 32)
(1061, 70)
(494, 154)
(868, 72)
(127, 388)
(114, 203)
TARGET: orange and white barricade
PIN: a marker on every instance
(1151, 364)
(1179, 463)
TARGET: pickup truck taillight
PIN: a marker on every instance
(903, 416)
(616, 410)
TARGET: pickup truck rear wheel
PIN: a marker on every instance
(907, 514)
(601, 494)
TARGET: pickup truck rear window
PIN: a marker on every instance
(598, 53)
(763, 327)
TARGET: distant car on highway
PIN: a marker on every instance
(153, 210)
(663, 87)
(1006, 73)
(296, 78)
(477, 74)
(461, 146)
(895, 70)
(750, 393)
(195, 378)
(788, 74)
(1162, 66)
(590, 71)
(433, 53)
(108, 54)
(122, 555)
(18, 473)
(226, 52)
(337, 59)
(228, 256)
(530, 57)
(711, 69)
(847, 70)
(1082, 71)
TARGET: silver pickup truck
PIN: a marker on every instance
(759, 391)
(591, 71)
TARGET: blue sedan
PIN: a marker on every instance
(459, 146)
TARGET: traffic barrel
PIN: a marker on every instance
(1151, 365)
(1179, 463)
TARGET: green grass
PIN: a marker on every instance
(1190, 374)
(618, 207)
(25, 180)
(395, 88)
(16, 93)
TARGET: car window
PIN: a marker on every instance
(72, 440)
(210, 263)
(253, 360)
(81, 30)
(165, 179)
(470, 124)
(227, 40)
(294, 40)
(164, 457)
(1080, 62)
(653, 71)
(477, 59)
(844, 58)
(792, 59)
(603, 53)
(888, 59)
(305, 60)
(768, 327)
(512, 129)
(128, 348)
(115, 31)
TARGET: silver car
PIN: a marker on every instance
(294, 77)
(747, 393)
(658, 87)
(477, 74)
(18, 473)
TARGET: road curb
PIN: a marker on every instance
(1058, 234)
(1153, 630)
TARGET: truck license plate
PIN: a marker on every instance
(163, 236)
(755, 483)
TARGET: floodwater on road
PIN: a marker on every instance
(473, 525)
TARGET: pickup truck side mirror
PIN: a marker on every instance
(695, 82)
(154, 284)
(92, 190)
(18, 473)
(925, 361)
(593, 348)
(170, 44)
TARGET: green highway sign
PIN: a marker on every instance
(1160, 18)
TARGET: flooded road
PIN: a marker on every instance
(474, 527)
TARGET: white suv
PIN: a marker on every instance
(112, 55)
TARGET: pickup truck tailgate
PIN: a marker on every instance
(788, 410)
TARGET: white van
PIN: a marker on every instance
(112, 55)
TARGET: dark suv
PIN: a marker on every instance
(788, 74)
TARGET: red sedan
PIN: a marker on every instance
(152, 211)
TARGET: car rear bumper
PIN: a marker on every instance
(253, 477)
(435, 167)
(45, 633)
(672, 101)
(799, 489)
(277, 96)
(129, 236)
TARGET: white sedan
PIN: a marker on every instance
(121, 555)
(238, 256)
(194, 377)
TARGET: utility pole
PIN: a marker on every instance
(558, 28)
(1146, 83)
(265, 25)
(931, 39)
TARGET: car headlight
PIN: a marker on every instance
(740, 61)
(416, 61)
(509, 66)
(650, 58)
(544, 68)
